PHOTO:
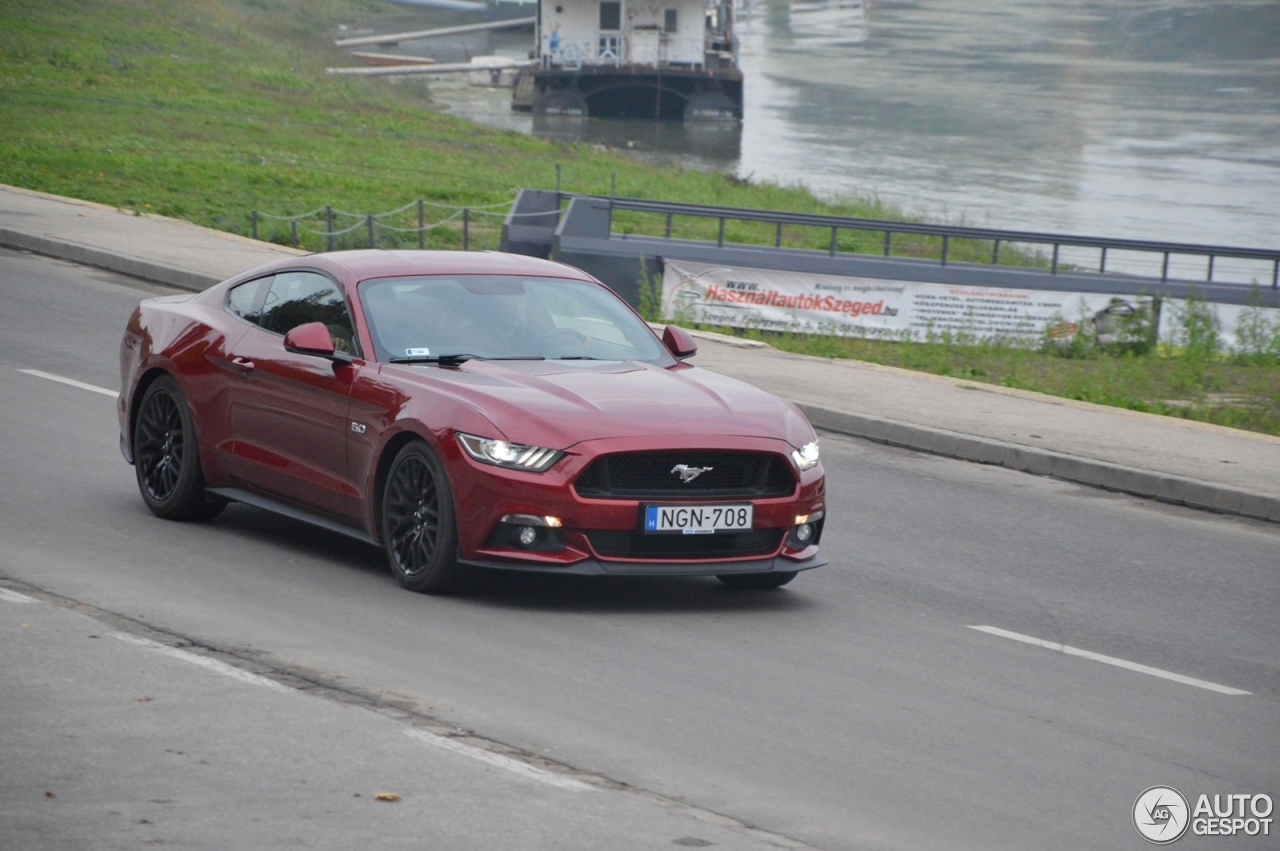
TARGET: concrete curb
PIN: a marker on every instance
(145, 269)
(1162, 487)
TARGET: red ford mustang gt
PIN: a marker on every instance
(476, 409)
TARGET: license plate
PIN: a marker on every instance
(698, 519)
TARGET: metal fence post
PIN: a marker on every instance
(1102, 263)
(668, 226)
(1275, 274)
(832, 251)
(1208, 278)
(720, 239)
(777, 235)
(888, 237)
(613, 185)
(944, 250)
(1164, 269)
(293, 231)
(369, 220)
(328, 215)
(557, 178)
(1053, 270)
(422, 234)
(995, 253)
(466, 228)
(253, 217)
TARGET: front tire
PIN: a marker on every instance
(419, 532)
(167, 457)
(757, 581)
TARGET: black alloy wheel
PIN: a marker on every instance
(166, 457)
(418, 530)
(757, 581)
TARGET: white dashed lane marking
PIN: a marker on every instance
(497, 760)
(229, 671)
(92, 388)
(1110, 660)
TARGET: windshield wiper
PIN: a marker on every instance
(443, 360)
(580, 357)
(455, 359)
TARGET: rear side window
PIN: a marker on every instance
(243, 300)
(297, 298)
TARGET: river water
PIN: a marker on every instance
(1128, 118)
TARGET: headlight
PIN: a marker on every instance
(806, 457)
(513, 456)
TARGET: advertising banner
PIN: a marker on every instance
(771, 300)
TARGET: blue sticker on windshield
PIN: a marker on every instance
(418, 353)
(651, 518)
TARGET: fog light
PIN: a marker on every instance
(804, 532)
(528, 535)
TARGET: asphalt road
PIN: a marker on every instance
(855, 708)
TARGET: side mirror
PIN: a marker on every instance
(679, 342)
(310, 339)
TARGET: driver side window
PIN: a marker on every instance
(296, 298)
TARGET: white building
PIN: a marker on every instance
(646, 33)
(666, 59)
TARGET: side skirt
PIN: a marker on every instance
(269, 504)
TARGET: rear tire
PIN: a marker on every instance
(419, 533)
(167, 457)
(757, 581)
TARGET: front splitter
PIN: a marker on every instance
(598, 567)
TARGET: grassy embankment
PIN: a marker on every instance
(207, 109)
(1199, 382)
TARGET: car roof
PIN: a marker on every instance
(375, 263)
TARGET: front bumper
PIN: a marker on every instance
(484, 494)
(601, 567)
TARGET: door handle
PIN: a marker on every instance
(242, 364)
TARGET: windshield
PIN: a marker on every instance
(494, 316)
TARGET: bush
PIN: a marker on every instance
(1257, 334)
(1198, 330)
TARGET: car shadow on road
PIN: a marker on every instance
(632, 594)
(257, 524)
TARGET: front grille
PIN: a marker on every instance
(760, 542)
(648, 475)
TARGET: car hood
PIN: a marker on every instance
(560, 403)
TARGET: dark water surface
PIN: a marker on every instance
(1128, 118)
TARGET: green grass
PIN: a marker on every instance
(207, 109)
(1238, 391)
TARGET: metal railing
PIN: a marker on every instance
(947, 233)
(374, 222)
